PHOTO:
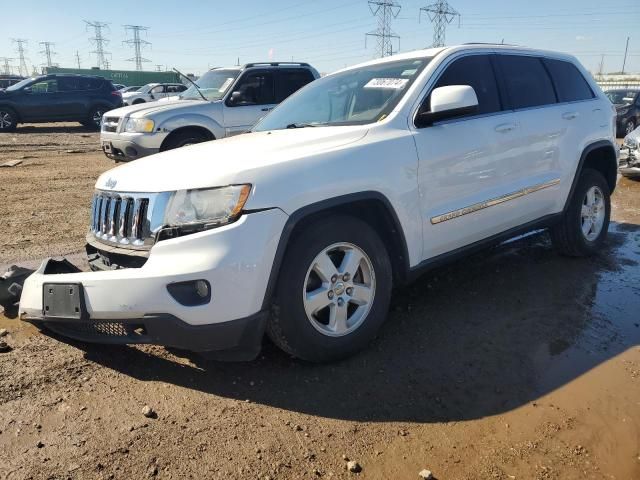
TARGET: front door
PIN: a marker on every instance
(255, 97)
(42, 101)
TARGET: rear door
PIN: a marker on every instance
(73, 97)
(257, 98)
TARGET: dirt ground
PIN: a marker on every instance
(513, 364)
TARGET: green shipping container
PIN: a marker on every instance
(124, 77)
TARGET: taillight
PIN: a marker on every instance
(116, 93)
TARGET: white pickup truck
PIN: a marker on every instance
(360, 181)
(225, 102)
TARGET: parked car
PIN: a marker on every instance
(58, 98)
(119, 86)
(627, 102)
(629, 164)
(360, 181)
(8, 80)
(151, 92)
(133, 88)
(225, 102)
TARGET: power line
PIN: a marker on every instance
(22, 69)
(441, 14)
(138, 44)
(48, 53)
(99, 41)
(385, 10)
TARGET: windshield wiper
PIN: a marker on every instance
(192, 83)
(301, 125)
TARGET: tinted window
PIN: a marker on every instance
(256, 88)
(527, 82)
(569, 82)
(68, 84)
(86, 83)
(46, 86)
(477, 72)
(290, 81)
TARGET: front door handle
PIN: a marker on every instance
(569, 115)
(267, 109)
(505, 127)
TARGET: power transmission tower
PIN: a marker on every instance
(6, 67)
(99, 41)
(159, 68)
(441, 14)
(48, 53)
(21, 43)
(385, 10)
(138, 44)
(78, 59)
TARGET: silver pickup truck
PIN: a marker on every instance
(226, 101)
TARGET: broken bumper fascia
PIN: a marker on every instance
(629, 163)
(235, 259)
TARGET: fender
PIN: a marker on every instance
(296, 217)
(193, 120)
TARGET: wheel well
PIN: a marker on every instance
(178, 131)
(13, 110)
(380, 217)
(603, 159)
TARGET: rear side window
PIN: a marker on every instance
(477, 72)
(86, 83)
(570, 84)
(527, 81)
(290, 81)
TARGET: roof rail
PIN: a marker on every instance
(491, 43)
(275, 64)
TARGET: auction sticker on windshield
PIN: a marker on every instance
(388, 83)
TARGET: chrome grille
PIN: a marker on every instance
(110, 124)
(127, 219)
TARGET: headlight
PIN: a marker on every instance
(139, 125)
(208, 207)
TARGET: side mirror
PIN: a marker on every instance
(27, 90)
(449, 102)
(235, 98)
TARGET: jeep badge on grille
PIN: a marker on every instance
(111, 183)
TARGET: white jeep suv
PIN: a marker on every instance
(358, 182)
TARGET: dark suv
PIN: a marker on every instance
(58, 98)
(627, 102)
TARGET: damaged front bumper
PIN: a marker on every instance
(139, 305)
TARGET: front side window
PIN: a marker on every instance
(527, 81)
(570, 84)
(477, 72)
(353, 97)
(157, 89)
(255, 88)
(45, 86)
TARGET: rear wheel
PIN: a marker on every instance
(333, 290)
(629, 127)
(8, 120)
(94, 120)
(182, 139)
(584, 225)
(138, 101)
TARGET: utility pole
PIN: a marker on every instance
(441, 14)
(626, 49)
(48, 53)
(5, 65)
(21, 43)
(385, 10)
(100, 42)
(138, 44)
(78, 59)
(601, 67)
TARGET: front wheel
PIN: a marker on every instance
(8, 120)
(585, 223)
(333, 290)
(629, 127)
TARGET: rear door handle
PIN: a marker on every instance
(505, 127)
(569, 115)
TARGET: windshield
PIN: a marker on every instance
(621, 96)
(213, 85)
(354, 97)
(21, 84)
(146, 88)
(130, 89)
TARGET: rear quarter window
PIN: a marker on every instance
(570, 85)
(527, 82)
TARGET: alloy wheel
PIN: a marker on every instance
(97, 117)
(339, 289)
(592, 214)
(630, 127)
(6, 120)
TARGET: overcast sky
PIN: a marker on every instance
(194, 35)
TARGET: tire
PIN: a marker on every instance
(568, 236)
(313, 337)
(8, 119)
(182, 139)
(629, 126)
(94, 120)
(138, 101)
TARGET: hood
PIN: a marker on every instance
(246, 158)
(144, 109)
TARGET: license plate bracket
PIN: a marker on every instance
(63, 301)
